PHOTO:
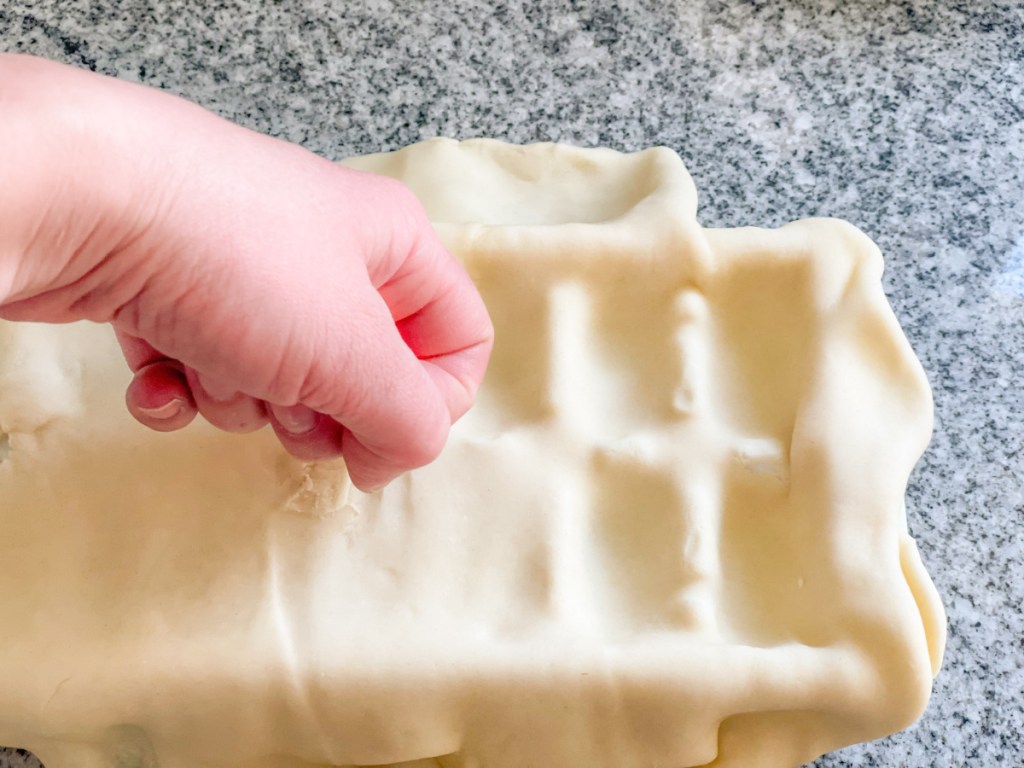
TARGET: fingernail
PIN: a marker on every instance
(215, 393)
(297, 419)
(168, 410)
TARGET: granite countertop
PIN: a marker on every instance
(905, 118)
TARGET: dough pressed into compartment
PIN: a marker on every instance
(671, 533)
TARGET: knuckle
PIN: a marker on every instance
(403, 199)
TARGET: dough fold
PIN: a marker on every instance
(671, 533)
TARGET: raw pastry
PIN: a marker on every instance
(670, 534)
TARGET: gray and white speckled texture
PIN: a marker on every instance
(906, 118)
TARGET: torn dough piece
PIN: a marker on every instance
(670, 534)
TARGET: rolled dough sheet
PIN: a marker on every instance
(671, 533)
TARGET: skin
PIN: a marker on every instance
(247, 279)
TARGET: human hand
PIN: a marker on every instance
(247, 279)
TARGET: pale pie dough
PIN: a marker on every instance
(670, 534)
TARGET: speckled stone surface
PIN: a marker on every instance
(906, 118)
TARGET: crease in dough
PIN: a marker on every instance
(671, 533)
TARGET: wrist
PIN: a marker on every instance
(73, 195)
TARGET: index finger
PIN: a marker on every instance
(442, 319)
